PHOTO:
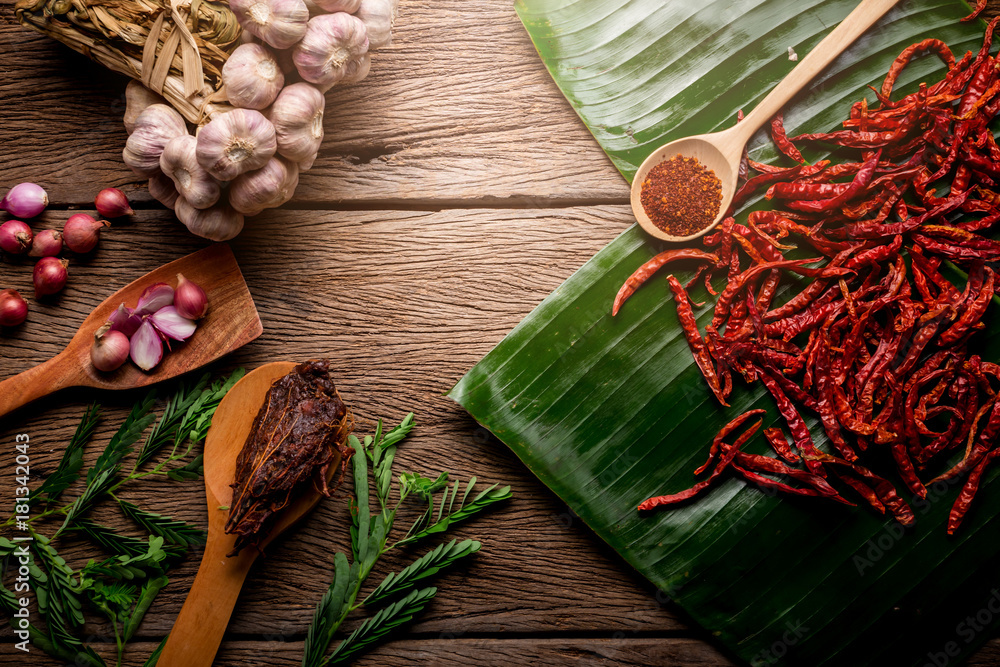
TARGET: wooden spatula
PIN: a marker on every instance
(231, 322)
(197, 633)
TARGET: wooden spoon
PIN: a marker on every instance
(231, 322)
(197, 633)
(721, 151)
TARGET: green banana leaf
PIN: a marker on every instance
(609, 411)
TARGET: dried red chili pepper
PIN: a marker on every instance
(644, 272)
(729, 452)
(781, 139)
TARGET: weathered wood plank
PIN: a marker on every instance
(458, 108)
(663, 651)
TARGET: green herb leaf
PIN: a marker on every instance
(423, 568)
(187, 416)
(492, 495)
(172, 530)
(121, 443)
(123, 545)
(127, 568)
(393, 437)
(166, 429)
(116, 596)
(155, 655)
(329, 613)
(56, 587)
(149, 592)
(194, 469)
(378, 626)
(68, 470)
(360, 514)
(72, 652)
(101, 477)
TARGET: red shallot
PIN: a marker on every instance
(112, 203)
(154, 297)
(47, 243)
(146, 346)
(15, 237)
(125, 320)
(110, 349)
(81, 232)
(49, 276)
(25, 200)
(13, 308)
(190, 299)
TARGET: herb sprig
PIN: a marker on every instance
(397, 599)
(123, 585)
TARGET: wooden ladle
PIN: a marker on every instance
(231, 322)
(197, 633)
(721, 151)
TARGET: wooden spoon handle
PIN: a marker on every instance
(34, 383)
(195, 638)
(852, 27)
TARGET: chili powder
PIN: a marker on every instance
(681, 195)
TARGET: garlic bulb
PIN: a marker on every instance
(218, 223)
(297, 116)
(191, 181)
(331, 43)
(332, 6)
(252, 77)
(154, 127)
(357, 69)
(163, 190)
(268, 187)
(137, 98)
(354, 71)
(280, 23)
(378, 16)
(235, 142)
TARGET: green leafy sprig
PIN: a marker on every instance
(371, 466)
(123, 585)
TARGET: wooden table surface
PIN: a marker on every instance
(455, 189)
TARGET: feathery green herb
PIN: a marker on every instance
(371, 465)
(68, 470)
(122, 584)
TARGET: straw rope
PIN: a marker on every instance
(174, 47)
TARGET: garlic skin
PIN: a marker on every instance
(179, 163)
(154, 127)
(218, 223)
(137, 98)
(163, 190)
(280, 23)
(297, 116)
(379, 16)
(357, 69)
(235, 142)
(332, 6)
(252, 77)
(331, 43)
(268, 187)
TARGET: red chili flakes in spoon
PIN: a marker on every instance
(681, 195)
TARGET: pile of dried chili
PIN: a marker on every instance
(877, 345)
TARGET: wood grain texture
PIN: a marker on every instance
(481, 192)
(457, 108)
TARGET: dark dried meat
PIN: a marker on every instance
(297, 435)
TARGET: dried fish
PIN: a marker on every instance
(297, 436)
